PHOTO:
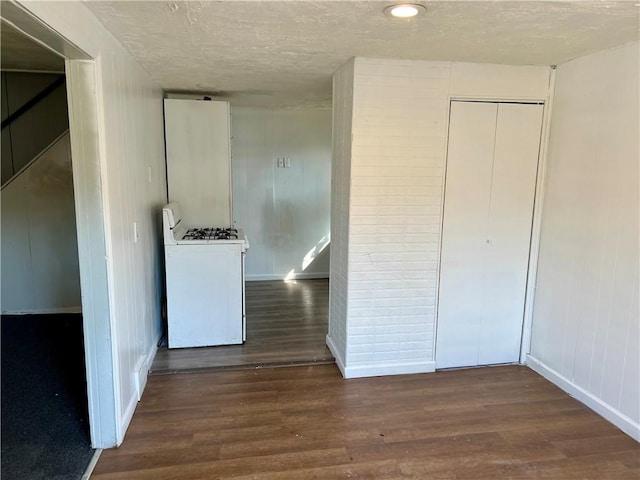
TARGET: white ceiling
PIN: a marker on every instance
(283, 53)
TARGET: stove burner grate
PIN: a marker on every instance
(211, 233)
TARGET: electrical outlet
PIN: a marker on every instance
(287, 162)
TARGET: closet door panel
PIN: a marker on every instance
(467, 199)
(488, 209)
(517, 143)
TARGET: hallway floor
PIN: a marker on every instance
(286, 325)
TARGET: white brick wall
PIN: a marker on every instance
(340, 193)
(397, 165)
(399, 130)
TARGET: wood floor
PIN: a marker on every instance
(286, 325)
(310, 423)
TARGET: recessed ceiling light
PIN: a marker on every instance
(405, 10)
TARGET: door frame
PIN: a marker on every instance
(538, 203)
(87, 160)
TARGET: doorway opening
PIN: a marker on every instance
(45, 415)
(281, 184)
(84, 130)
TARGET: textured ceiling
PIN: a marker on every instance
(18, 52)
(283, 53)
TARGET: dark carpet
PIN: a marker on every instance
(45, 427)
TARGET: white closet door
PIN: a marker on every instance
(515, 164)
(490, 185)
(467, 199)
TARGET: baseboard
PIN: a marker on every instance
(334, 351)
(287, 276)
(380, 370)
(127, 415)
(620, 420)
(141, 371)
(44, 311)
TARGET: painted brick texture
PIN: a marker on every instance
(397, 169)
(340, 186)
(389, 183)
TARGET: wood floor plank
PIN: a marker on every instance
(595, 445)
(491, 468)
(287, 324)
(309, 422)
(216, 421)
(378, 470)
(231, 467)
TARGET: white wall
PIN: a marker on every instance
(39, 247)
(586, 327)
(340, 193)
(133, 186)
(284, 211)
(400, 118)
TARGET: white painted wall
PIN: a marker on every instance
(133, 189)
(39, 247)
(340, 194)
(586, 324)
(400, 118)
(284, 211)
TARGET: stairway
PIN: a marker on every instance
(39, 256)
(34, 116)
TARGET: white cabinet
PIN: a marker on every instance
(205, 294)
(198, 148)
(488, 209)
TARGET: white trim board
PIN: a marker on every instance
(125, 419)
(92, 250)
(536, 226)
(624, 423)
(141, 371)
(334, 351)
(140, 376)
(384, 369)
(285, 276)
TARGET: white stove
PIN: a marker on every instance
(205, 282)
(177, 233)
